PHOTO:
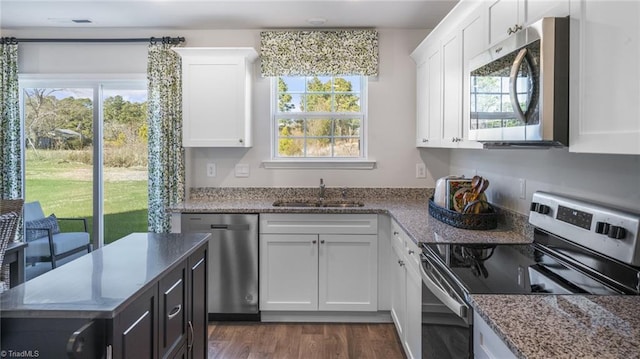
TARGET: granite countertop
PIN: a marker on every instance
(98, 284)
(564, 326)
(409, 207)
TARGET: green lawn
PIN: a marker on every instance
(65, 189)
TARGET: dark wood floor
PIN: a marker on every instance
(239, 340)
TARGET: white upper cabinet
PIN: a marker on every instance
(474, 41)
(505, 18)
(428, 94)
(216, 96)
(451, 90)
(605, 77)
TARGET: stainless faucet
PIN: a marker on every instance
(321, 194)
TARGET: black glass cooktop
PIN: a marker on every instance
(551, 265)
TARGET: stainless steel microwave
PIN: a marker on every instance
(519, 91)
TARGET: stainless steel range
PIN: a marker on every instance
(578, 247)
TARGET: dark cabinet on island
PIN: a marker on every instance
(143, 296)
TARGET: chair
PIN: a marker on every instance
(46, 242)
(10, 212)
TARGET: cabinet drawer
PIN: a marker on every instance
(407, 250)
(319, 223)
(172, 309)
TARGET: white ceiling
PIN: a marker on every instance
(223, 14)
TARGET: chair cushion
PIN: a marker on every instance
(47, 222)
(62, 242)
(33, 211)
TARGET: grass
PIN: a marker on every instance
(65, 188)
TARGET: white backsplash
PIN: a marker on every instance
(609, 179)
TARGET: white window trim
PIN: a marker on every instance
(360, 163)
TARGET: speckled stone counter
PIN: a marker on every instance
(564, 326)
(99, 284)
(408, 206)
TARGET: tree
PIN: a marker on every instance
(284, 99)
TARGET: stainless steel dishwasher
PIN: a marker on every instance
(233, 263)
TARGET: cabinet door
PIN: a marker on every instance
(474, 41)
(197, 346)
(451, 90)
(398, 293)
(605, 77)
(504, 15)
(348, 272)
(422, 104)
(173, 310)
(537, 9)
(413, 327)
(434, 110)
(135, 328)
(213, 95)
(288, 272)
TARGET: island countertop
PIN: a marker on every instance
(564, 326)
(98, 284)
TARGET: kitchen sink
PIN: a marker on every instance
(316, 203)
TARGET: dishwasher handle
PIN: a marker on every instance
(231, 227)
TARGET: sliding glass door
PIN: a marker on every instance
(86, 153)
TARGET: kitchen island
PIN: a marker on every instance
(118, 299)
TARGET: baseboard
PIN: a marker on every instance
(235, 317)
(327, 317)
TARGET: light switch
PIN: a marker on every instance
(242, 170)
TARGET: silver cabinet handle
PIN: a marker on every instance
(190, 342)
(395, 233)
(313, 241)
(322, 241)
(241, 140)
(411, 251)
(175, 311)
(401, 263)
(424, 140)
(498, 50)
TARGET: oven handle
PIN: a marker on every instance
(455, 304)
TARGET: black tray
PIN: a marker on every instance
(480, 221)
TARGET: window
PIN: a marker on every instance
(319, 117)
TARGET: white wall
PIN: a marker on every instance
(610, 179)
(391, 99)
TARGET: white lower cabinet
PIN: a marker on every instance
(318, 262)
(486, 343)
(406, 295)
(288, 272)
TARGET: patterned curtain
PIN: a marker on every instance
(328, 52)
(166, 155)
(10, 149)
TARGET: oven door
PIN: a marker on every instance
(446, 317)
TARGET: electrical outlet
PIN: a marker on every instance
(523, 188)
(421, 170)
(211, 169)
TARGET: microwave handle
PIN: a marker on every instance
(513, 91)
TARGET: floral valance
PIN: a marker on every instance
(319, 53)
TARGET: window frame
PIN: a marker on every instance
(327, 161)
